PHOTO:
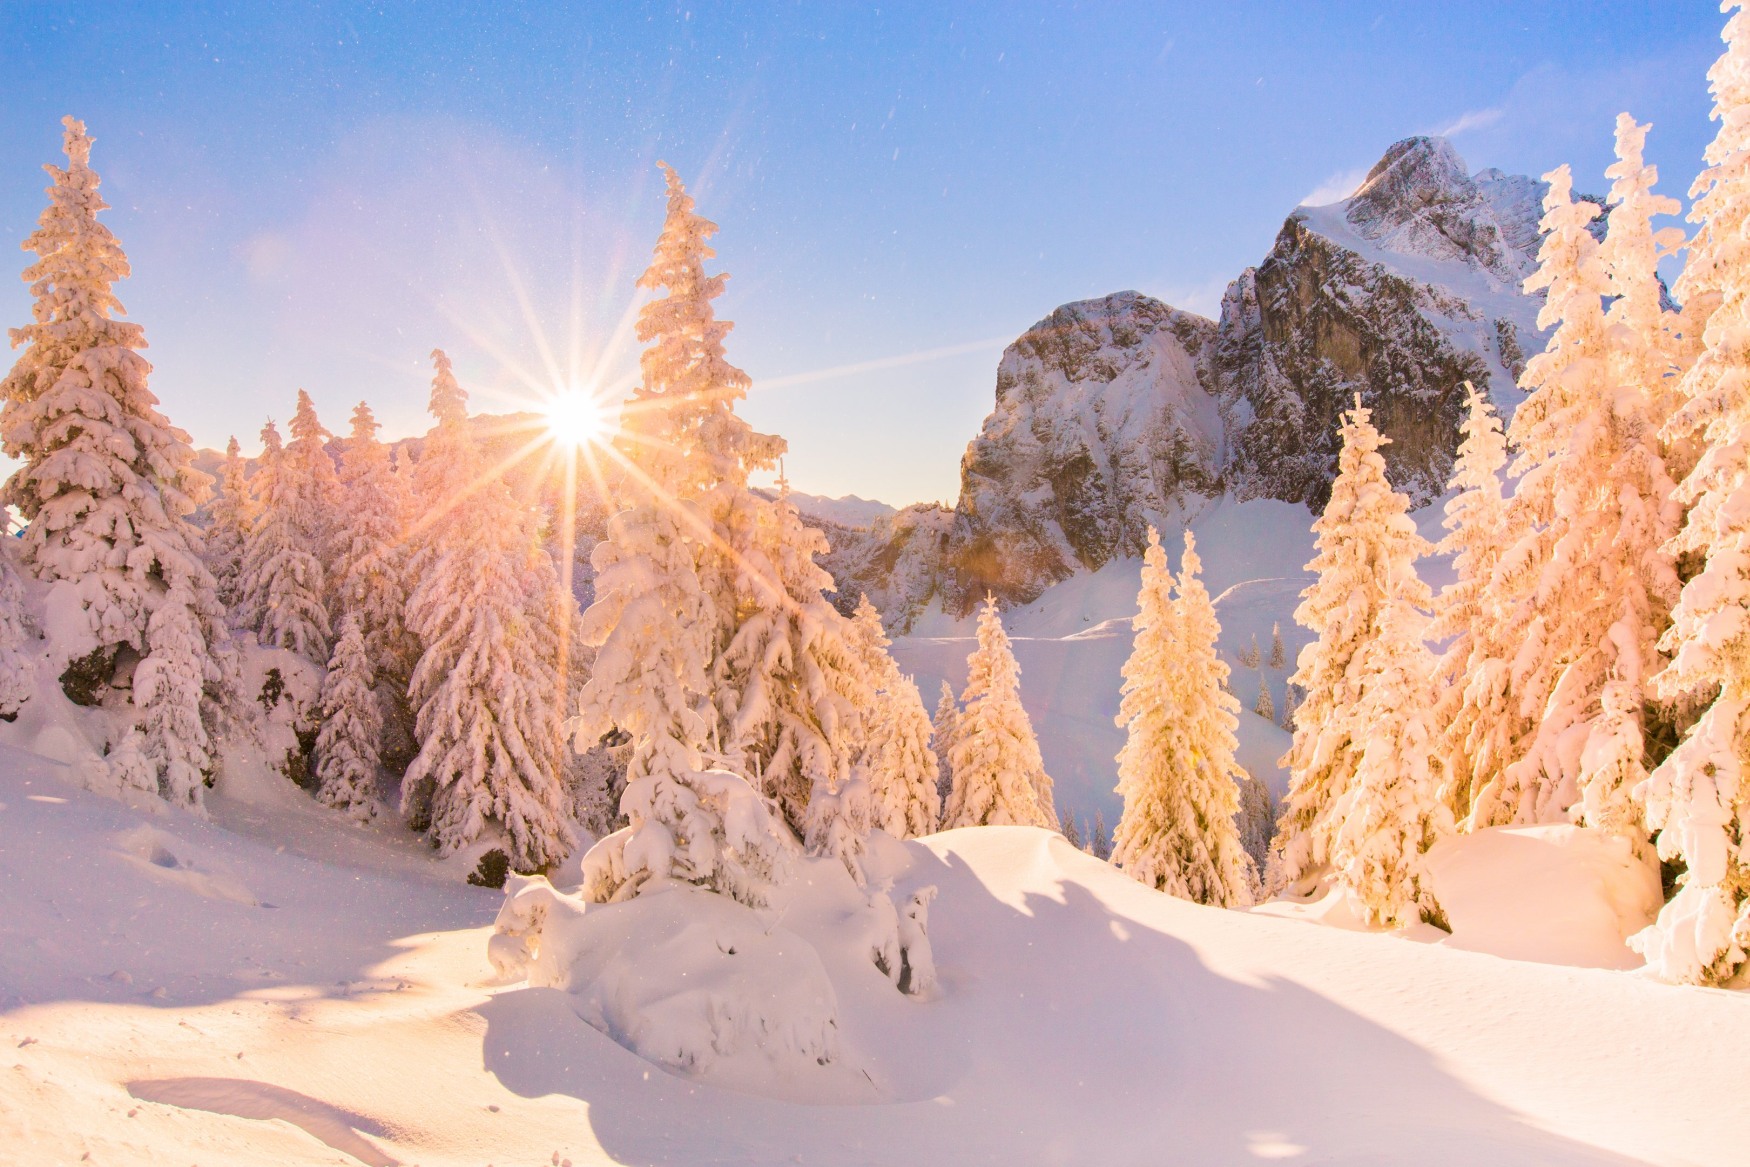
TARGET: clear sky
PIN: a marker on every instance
(317, 195)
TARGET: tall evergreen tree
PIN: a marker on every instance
(1586, 587)
(486, 693)
(705, 615)
(1177, 771)
(1698, 798)
(370, 567)
(942, 730)
(1278, 654)
(281, 588)
(346, 745)
(895, 752)
(230, 518)
(106, 483)
(1473, 671)
(1366, 544)
(999, 777)
(168, 687)
(1392, 810)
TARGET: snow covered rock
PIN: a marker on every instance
(684, 977)
(1556, 894)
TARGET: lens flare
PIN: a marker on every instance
(575, 418)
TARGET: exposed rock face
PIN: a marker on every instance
(1401, 293)
(1101, 423)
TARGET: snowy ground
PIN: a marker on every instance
(176, 992)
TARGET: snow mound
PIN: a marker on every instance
(167, 859)
(1554, 894)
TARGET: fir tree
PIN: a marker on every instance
(346, 745)
(1698, 798)
(1278, 654)
(168, 686)
(943, 726)
(106, 483)
(282, 584)
(1264, 707)
(1392, 810)
(1586, 587)
(370, 568)
(484, 688)
(895, 752)
(1249, 655)
(1473, 671)
(228, 530)
(318, 485)
(1366, 545)
(999, 777)
(711, 632)
(17, 658)
(1177, 772)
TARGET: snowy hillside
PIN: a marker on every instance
(195, 995)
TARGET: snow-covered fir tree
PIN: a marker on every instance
(485, 688)
(1392, 810)
(1278, 654)
(1264, 706)
(791, 690)
(998, 776)
(1177, 772)
(1473, 670)
(168, 685)
(1257, 822)
(318, 483)
(1366, 547)
(282, 589)
(106, 483)
(346, 745)
(1586, 587)
(942, 728)
(1249, 655)
(1698, 798)
(370, 566)
(230, 517)
(895, 754)
(657, 627)
(18, 654)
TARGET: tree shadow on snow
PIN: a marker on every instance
(1065, 1034)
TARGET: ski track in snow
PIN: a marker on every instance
(1082, 1018)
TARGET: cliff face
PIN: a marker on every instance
(1116, 413)
(1101, 422)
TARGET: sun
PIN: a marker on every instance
(575, 418)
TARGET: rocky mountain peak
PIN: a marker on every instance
(1419, 200)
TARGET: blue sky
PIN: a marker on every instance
(317, 195)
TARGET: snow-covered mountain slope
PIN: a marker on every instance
(1071, 644)
(853, 511)
(1116, 413)
(173, 992)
